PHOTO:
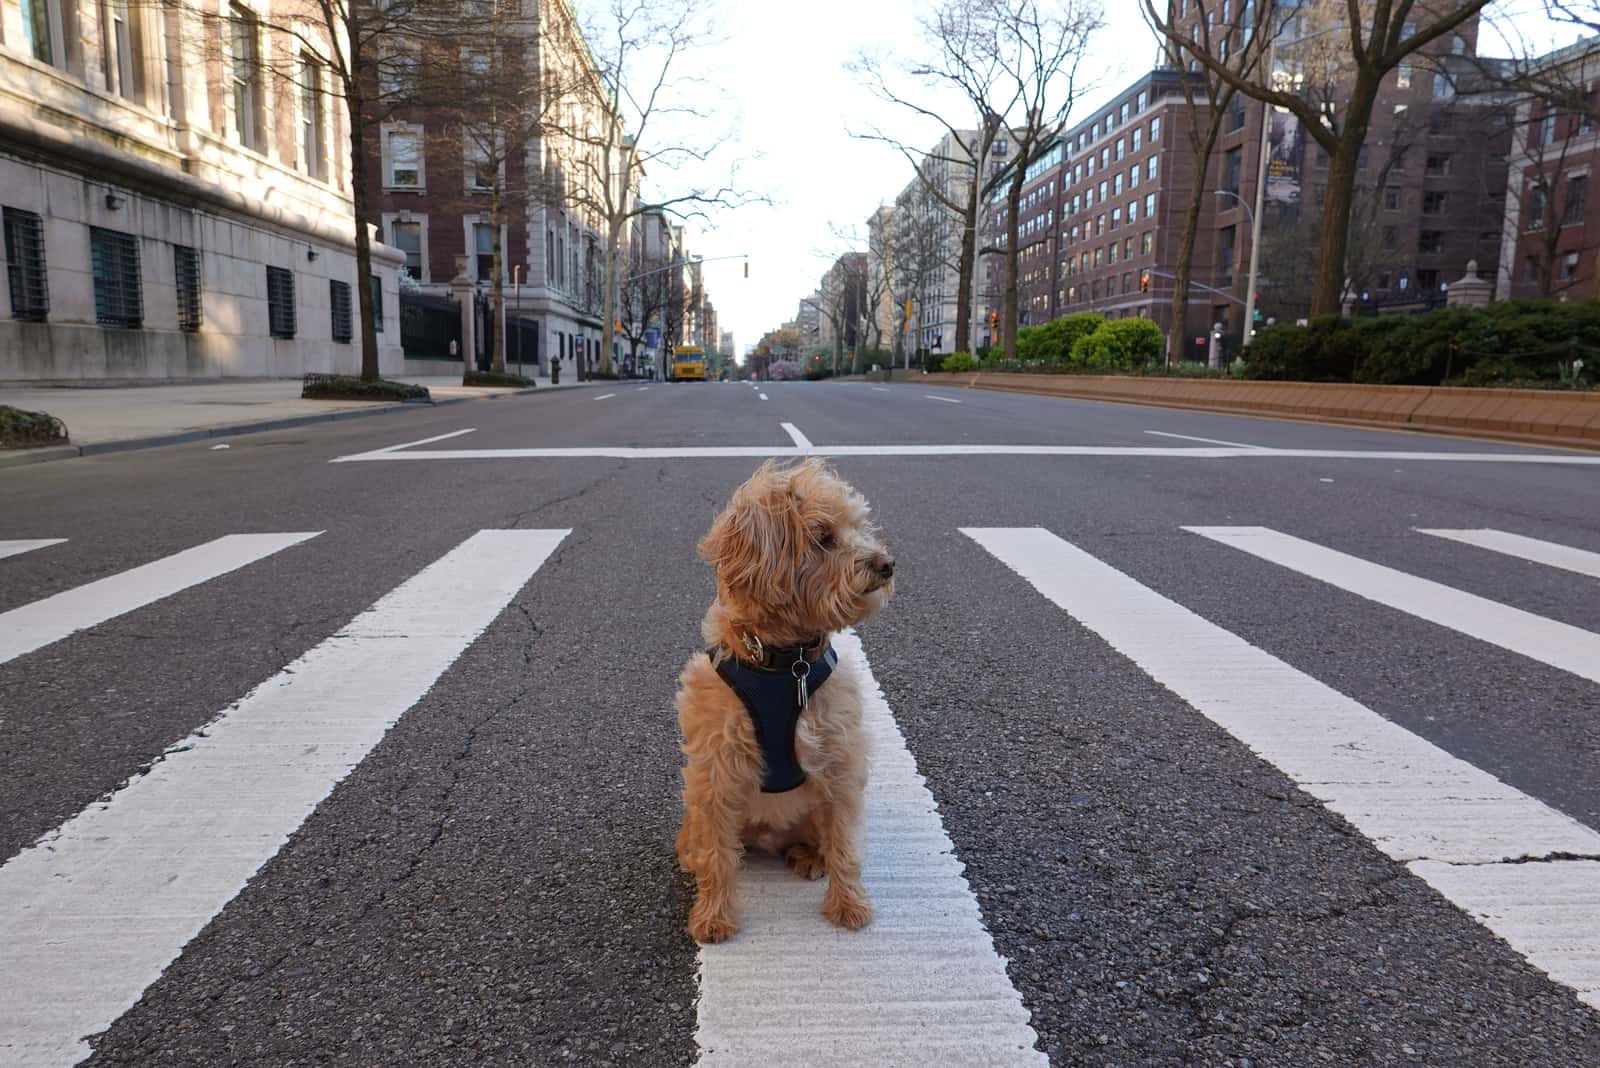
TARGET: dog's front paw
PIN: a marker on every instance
(805, 861)
(848, 909)
(708, 926)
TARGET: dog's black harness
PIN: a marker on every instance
(775, 696)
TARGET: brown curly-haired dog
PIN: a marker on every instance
(797, 559)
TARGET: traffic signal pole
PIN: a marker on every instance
(1255, 217)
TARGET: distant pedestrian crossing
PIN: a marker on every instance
(99, 908)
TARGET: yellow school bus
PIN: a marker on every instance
(688, 362)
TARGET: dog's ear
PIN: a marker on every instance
(758, 541)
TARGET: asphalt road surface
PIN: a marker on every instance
(1202, 741)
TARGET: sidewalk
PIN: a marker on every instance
(135, 417)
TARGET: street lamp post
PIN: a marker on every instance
(1255, 239)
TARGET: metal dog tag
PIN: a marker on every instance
(802, 695)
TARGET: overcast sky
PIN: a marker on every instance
(779, 85)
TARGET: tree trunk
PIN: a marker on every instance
(355, 107)
(967, 268)
(497, 358)
(1008, 310)
(1177, 332)
(609, 304)
(1327, 294)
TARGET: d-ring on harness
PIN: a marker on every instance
(776, 697)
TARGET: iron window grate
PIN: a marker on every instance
(280, 302)
(377, 302)
(25, 268)
(187, 264)
(118, 293)
(339, 304)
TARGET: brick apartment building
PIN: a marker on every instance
(432, 197)
(1430, 198)
(1551, 223)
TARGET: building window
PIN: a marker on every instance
(1111, 253)
(1236, 116)
(1402, 78)
(1121, 144)
(1538, 200)
(1150, 206)
(25, 269)
(124, 66)
(343, 325)
(1390, 237)
(483, 171)
(312, 156)
(1577, 197)
(375, 286)
(1232, 164)
(1155, 129)
(1116, 218)
(186, 271)
(1127, 249)
(245, 74)
(1116, 185)
(1432, 203)
(280, 302)
(1427, 281)
(406, 235)
(1133, 176)
(1225, 255)
(1150, 168)
(405, 168)
(1443, 87)
(1430, 241)
(118, 294)
(1133, 211)
(483, 250)
(1437, 165)
(1147, 241)
(1569, 266)
(41, 21)
(1001, 146)
(1391, 198)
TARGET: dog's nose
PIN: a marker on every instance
(885, 567)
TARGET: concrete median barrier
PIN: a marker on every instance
(1546, 417)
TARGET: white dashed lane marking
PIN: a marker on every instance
(947, 400)
(763, 396)
(95, 911)
(22, 630)
(1207, 441)
(605, 396)
(1473, 838)
(921, 985)
(799, 439)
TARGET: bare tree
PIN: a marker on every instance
(642, 50)
(841, 300)
(1360, 42)
(1037, 49)
(920, 254)
(958, 174)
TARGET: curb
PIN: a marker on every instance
(23, 457)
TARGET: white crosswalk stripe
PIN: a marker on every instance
(921, 984)
(1547, 553)
(1457, 827)
(94, 912)
(26, 545)
(22, 630)
(1548, 641)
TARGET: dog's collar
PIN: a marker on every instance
(778, 657)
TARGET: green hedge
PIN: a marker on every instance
(1053, 341)
(959, 361)
(1120, 344)
(490, 378)
(1526, 342)
(349, 387)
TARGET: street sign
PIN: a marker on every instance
(652, 339)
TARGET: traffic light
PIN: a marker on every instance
(994, 320)
(1144, 282)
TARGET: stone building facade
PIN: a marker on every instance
(175, 186)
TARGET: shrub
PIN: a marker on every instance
(349, 387)
(933, 361)
(490, 378)
(24, 430)
(1052, 342)
(1123, 344)
(959, 361)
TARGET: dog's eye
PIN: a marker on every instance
(825, 539)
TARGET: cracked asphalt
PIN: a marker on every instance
(493, 883)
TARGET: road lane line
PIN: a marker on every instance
(407, 445)
(605, 396)
(692, 452)
(881, 389)
(1548, 553)
(1208, 441)
(22, 630)
(922, 984)
(799, 439)
(1550, 642)
(26, 545)
(763, 396)
(1455, 826)
(947, 400)
(641, 389)
(94, 912)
